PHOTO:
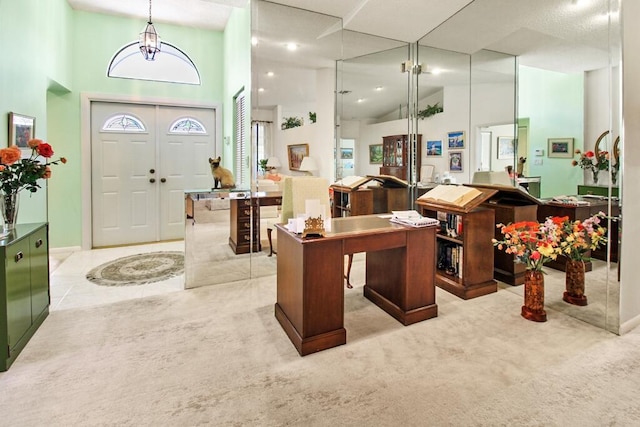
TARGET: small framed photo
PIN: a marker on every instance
(296, 153)
(456, 139)
(346, 153)
(506, 147)
(21, 129)
(455, 161)
(560, 147)
(434, 147)
(375, 154)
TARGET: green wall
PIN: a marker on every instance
(554, 104)
(62, 53)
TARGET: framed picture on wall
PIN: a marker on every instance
(456, 139)
(296, 153)
(346, 153)
(455, 161)
(506, 147)
(375, 154)
(560, 147)
(21, 129)
(434, 147)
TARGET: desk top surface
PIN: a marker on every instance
(359, 226)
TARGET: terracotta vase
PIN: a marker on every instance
(533, 308)
(574, 283)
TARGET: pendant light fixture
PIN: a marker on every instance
(149, 40)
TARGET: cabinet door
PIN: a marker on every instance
(18, 291)
(38, 243)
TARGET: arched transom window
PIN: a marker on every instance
(187, 125)
(123, 123)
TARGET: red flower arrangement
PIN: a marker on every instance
(532, 243)
(17, 173)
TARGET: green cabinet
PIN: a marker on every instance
(24, 288)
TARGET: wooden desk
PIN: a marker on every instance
(245, 220)
(400, 268)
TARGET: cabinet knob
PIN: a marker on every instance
(19, 256)
(163, 180)
(152, 171)
(38, 243)
(247, 212)
(152, 180)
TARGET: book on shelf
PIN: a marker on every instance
(458, 195)
(450, 258)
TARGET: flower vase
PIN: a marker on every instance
(574, 283)
(9, 206)
(595, 176)
(533, 308)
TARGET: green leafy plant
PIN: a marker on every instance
(430, 111)
(262, 164)
(291, 122)
(312, 117)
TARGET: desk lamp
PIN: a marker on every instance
(308, 164)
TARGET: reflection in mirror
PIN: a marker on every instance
(372, 98)
(292, 110)
(567, 87)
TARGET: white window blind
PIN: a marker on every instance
(240, 133)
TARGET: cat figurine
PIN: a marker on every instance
(222, 177)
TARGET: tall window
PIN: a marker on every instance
(240, 134)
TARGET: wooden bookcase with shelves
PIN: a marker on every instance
(351, 201)
(395, 156)
(471, 241)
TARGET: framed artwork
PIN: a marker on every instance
(506, 147)
(346, 153)
(560, 147)
(455, 161)
(456, 139)
(21, 129)
(296, 153)
(375, 154)
(434, 148)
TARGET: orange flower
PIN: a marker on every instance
(33, 143)
(63, 160)
(47, 172)
(10, 155)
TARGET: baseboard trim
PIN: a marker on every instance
(67, 249)
(629, 325)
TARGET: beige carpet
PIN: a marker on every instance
(216, 355)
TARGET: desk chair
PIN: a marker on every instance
(295, 191)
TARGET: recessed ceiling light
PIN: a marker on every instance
(360, 99)
(270, 73)
(292, 46)
(254, 41)
(435, 71)
(260, 89)
(378, 88)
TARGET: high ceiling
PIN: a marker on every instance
(557, 35)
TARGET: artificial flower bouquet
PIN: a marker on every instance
(17, 173)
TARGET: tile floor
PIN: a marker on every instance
(70, 288)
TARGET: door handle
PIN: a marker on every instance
(163, 180)
(152, 180)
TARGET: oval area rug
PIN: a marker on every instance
(138, 269)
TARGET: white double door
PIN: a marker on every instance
(138, 178)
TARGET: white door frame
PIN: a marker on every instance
(86, 98)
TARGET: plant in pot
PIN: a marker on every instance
(262, 164)
(430, 111)
(291, 122)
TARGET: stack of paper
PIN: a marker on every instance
(412, 218)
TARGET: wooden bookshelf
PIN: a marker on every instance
(351, 201)
(474, 230)
(510, 205)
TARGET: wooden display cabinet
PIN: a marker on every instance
(395, 156)
(475, 275)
